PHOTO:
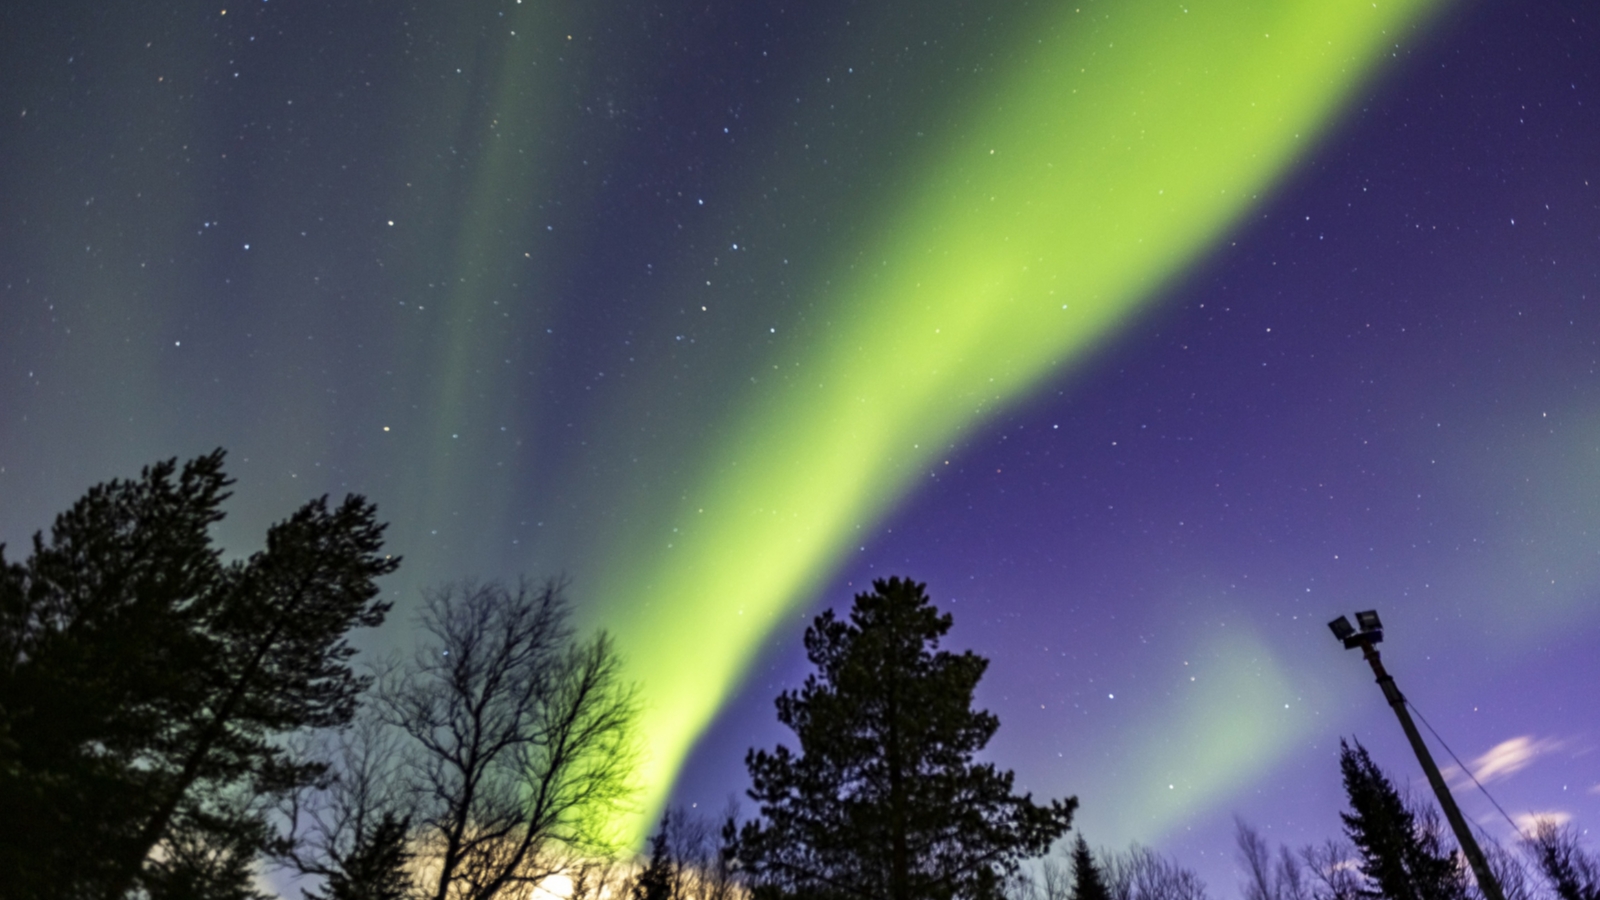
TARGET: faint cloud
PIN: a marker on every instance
(1505, 758)
(1528, 822)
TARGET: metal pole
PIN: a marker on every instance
(1452, 813)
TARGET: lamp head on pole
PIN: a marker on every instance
(1371, 630)
(1342, 629)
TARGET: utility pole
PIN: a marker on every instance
(1367, 639)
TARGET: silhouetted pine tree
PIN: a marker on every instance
(376, 868)
(884, 799)
(1401, 859)
(655, 882)
(1087, 880)
(144, 682)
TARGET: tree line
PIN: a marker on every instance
(172, 725)
(171, 722)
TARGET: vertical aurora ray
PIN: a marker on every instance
(106, 260)
(470, 261)
(1116, 151)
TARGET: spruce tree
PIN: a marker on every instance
(1401, 859)
(883, 798)
(1088, 883)
(376, 867)
(655, 882)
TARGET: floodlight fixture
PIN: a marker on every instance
(1346, 633)
(1342, 629)
(1367, 638)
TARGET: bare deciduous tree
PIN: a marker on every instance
(1140, 873)
(1335, 870)
(1292, 883)
(1510, 870)
(690, 860)
(1054, 879)
(1268, 875)
(520, 739)
(1255, 856)
(332, 825)
(600, 878)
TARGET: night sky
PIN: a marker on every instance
(1150, 335)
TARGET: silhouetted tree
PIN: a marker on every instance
(376, 866)
(519, 739)
(1511, 870)
(1140, 873)
(1334, 875)
(1402, 859)
(208, 855)
(599, 878)
(143, 682)
(686, 861)
(1053, 880)
(883, 799)
(1269, 876)
(336, 826)
(1571, 873)
(657, 879)
(1088, 883)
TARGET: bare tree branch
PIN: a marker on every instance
(522, 738)
(1140, 873)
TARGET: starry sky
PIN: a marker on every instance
(1150, 335)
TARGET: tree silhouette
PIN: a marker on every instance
(1140, 873)
(658, 877)
(1571, 873)
(520, 739)
(686, 860)
(883, 799)
(376, 866)
(144, 683)
(1401, 858)
(1269, 877)
(1088, 883)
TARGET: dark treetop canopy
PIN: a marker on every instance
(884, 799)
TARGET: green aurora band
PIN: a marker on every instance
(1115, 153)
(1121, 141)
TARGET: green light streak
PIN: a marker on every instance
(1241, 711)
(1544, 488)
(471, 186)
(1116, 152)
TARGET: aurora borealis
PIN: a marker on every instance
(1150, 335)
